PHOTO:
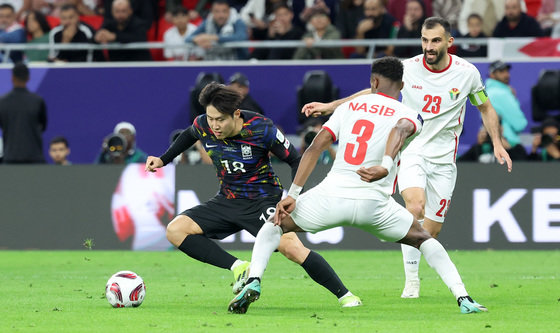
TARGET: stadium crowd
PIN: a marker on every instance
(194, 30)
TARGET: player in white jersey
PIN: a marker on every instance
(436, 85)
(371, 130)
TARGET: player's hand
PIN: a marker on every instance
(372, 174)
(153, 163)
(283, 209)
(316, 109)
(503, 157)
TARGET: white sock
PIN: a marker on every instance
(347, 294)
(235, 264)
(267, 241)
(411, 260)
(438, 259)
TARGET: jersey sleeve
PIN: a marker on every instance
(333, 124)
(280, 146)
(184, 141)
(477, 93)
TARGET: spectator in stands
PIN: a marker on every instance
(37, 28)
(222, 25)
(87, 7)
(70, 31)
(321, 29)
(280, 27)
(11, 31)
(23, 119)
(240, 84)
(546, 142)
(516, 23)
(256, 16)
(124, 27)
(376, 24)
(465, 50)
(142, 10)
(549, 18)
(448, 9)
(176, 35)
(491, 11)
(397, 8)
(59, 149)
(130, 153)
(304, 9)
(351, 12)
(483, 150)
(411, 27)
(505, 102)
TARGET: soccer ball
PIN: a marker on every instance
(125, 289)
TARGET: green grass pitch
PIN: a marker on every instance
(63, 291)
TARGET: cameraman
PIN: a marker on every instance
(311, 127)
(546, 144)
(113, 150)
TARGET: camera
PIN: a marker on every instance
(114, 148)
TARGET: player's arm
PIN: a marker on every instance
(316, 109)
(397, 137)
(322, 141)
(183, 142)
(285, 151)
(492, 124)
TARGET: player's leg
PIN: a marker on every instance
(191, 231)
(439, 260)
(415, 200)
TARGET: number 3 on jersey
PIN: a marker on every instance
(432, 104)
(363, 129)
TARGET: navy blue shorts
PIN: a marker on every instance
(220, 217)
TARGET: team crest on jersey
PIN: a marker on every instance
(454, 94)
(246, 152)
(282, 139)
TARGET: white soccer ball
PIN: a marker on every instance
(125, 289)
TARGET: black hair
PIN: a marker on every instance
(7, 6)
(60, 139)
(69, 6)
(474, 15)
(432, 22)
(279, 5)
(180, 10)
(20, 72)
(41, 20)
(388, 67)
(221, 97)
(221, 2)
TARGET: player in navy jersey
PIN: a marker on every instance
(239, 142)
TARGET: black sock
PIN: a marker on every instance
(203, 249)
(251, 279)
(322, 273)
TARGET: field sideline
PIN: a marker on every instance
(63, 291)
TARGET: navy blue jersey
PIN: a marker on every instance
(242, 161)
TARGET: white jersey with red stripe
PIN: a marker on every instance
(440, 98)
(362, 127)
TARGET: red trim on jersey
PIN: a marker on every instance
(396, 177)
(413, 123)
(440, 71)
(456, 144)
(331, 132)
(382, 94)
(461, 113)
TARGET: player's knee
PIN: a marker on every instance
(294, 251)
(177, 230)
(417, 209)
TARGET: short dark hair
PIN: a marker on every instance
(220, 2)
(432, 22)
(41, 20)
(69, 6)
(59, 139)
(221, 97)
(179, 10)
(388, 67)
(7, 6)
(20, 71)
(279, 5)
(474, 15)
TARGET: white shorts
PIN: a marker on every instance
(384, 218)
(437, 180)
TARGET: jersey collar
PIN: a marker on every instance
(382, 94)
(440, 71)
